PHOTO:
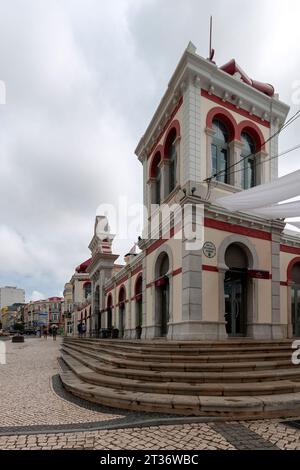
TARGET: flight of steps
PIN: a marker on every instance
(236, 379)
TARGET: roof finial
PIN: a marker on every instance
(211, 50)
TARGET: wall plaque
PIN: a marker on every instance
(209, 249)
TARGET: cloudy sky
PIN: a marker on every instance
(83, 78)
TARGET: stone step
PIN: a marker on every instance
(238, 407)
(171, 351)
(168, 344)
(205, 377)
(191, 366)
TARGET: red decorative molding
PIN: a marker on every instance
(254, 131)
(284, 283)
(156, 159)
(137, 270)
(176, 272)
(259, 274)
(290, 268)
(166, 126)
(290, 249)
(174, 127)
(224, 116)
(232, 107)
(207, 267)
(232, 228)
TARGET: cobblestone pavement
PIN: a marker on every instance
(29, 402)
(27, 397)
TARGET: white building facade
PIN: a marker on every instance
(11, 295)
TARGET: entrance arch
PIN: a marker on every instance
(138, 293)
(295, 298)
(97, 310)
(122, 299)
(109, 312)
(235, 290)
(162, 293)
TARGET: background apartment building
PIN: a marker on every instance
(11, 295)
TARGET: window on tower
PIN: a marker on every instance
(248, 161)
(220, 152)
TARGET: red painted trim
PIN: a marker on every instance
(290, 267)
(232, 107)
(284, 283)
(136, 285)
(173, 126)
(137, 270)
(155, 161)
(227, 227)
(259, 274)
(122, 288)
(122, 280)
(165, 128)
(224, 116)
(176, 272)
(109, 301)
(290, 249)
(207, 267)
(254, 131)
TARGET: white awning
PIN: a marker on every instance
(265, 195)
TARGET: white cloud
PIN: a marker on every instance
(36, 295)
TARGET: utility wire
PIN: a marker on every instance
(257, 163)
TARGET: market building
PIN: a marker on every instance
(245, 281)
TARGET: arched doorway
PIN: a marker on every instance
(139, 302)
(295, 294)
(97, 310)
(162, 293)
(109, 312)
(236, 290)
(122, 298)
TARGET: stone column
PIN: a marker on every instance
(144, 301)
(222, 325)
(236, 173)
(273, 164)
(209, 138)
(289, 310)
(164, 166)
(191, 131)
(191, 271)
(277, 228)
(177, 146)
(262, 168)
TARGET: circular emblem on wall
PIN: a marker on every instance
(209, 249)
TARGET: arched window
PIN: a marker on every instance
(248, 161)
(139, 301)
(87, 287)
(220, 151)
(109, 312)
(162, 294)
(171, 155)
(122, 299)
(157, 183)
(155, 175)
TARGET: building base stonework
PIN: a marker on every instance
(197, 330)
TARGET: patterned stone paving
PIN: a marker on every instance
(27, 396)
(44, 417)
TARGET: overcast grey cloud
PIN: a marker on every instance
(83, 78)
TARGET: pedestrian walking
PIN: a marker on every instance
(54, 333)
(45, 333)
